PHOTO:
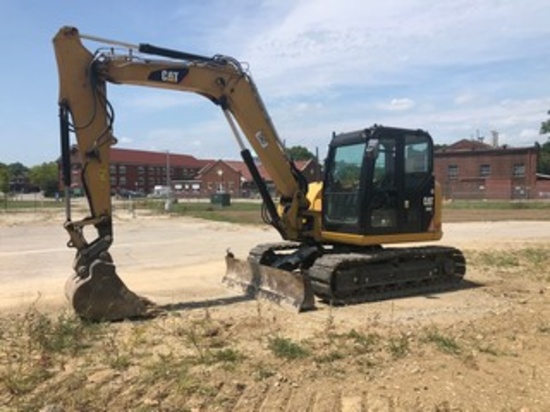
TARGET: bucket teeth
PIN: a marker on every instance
(103, 296)
(264, 282)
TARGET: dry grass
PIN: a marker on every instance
(206, 359)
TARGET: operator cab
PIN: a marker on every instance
(379, 181)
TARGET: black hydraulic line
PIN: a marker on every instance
(65, 145)
(264, 193)
(173, 54)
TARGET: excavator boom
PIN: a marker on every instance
(95, 290)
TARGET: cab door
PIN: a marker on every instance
(383, 182)
(419, 183)
(400, 183)
(343, 190)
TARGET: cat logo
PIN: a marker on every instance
(428, 202)
(174, 76)
(170, 76)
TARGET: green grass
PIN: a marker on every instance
(65, 333)
(398, 346)
(237, 212)
(529, 261)
(287, 349)
(250, 212)
(35, 343)
(332, 356)
(446, 344)
(228, 355)
(20, 205)
(495, 259)
(363, 342)
(496, 204)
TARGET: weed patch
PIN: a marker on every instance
(444, 343)
(363, 343)
(398, 346)
(287, 349)
(529, 261)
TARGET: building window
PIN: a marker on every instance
(141, 170)
(452, 172)
(485, 170)
(519, 170)
(112, 169)
(122, 170)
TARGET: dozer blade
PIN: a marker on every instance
(264, 282)
(103, 296)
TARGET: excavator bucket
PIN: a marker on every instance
(264, 282)
(103, 296)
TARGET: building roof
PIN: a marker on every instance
(240, 167)
(466, 148)
(130, 156)
(467, 144)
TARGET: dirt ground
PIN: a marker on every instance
(481, 347)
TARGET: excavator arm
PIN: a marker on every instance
(85, 110)
(83, 77)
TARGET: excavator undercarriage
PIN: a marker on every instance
(340, 275)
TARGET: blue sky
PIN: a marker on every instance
(458, 69)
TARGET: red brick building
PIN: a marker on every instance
(233, 177)
(141, 171)
(144, 172)
(220, 176)
(471, 169)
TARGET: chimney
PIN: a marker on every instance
(494, 133)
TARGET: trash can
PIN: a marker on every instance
(223, 199)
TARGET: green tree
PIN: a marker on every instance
(545, 126)
(4, 182)
(299, 153)
(544, 159)
(45, 176)
(18, 170)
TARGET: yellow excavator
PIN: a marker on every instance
(378, 189)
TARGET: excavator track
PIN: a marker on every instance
(378, 274)
(343, 278)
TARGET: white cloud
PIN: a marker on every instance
(399, 105)
(529, 134)
(207, 139)
(124, 140)
(325, 65)
(465, 98)
(319, 44)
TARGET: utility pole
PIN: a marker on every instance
(168, 202)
